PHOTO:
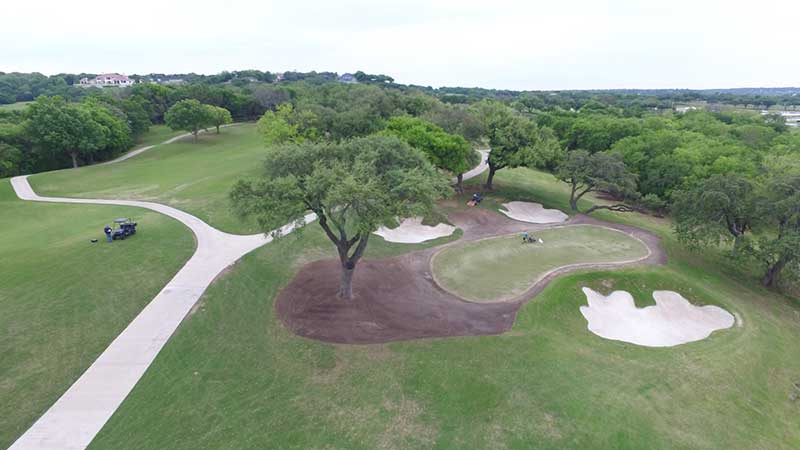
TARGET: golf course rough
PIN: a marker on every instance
(501, 268)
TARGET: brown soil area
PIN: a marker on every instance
(397, 299)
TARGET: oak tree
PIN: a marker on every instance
(353, 187)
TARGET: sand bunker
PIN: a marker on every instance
(412, 231)
(672, 321)
(533, 213)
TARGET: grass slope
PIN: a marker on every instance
(156, 135)
(194, 177)
(63, 299)
(15, 106)
(233, 377)
(500, 268)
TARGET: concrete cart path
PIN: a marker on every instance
(80, 413)
(481, 167)
(141, 150)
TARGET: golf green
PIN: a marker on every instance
(503, 267)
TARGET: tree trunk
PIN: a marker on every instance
(619, 207)
(346, 283)
(489, 180)
(343, 246)
(573, 200)
(460, 183)
(737, 244)
(773, 272)
(74, 160)
(194, 133)
(217, 129)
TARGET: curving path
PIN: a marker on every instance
(79, 414)
(141, 150)
(73, 421)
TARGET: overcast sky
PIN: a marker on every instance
(555, 44)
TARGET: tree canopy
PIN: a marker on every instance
(276, 127)
(353, 187)
(516, 141)
(596, 172)
(219, 116)
(448, 152)
(721, 207)
(79, 131)
(188, 115)
(778, 210)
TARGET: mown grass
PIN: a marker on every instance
(156, 135)
(193, 176)
(64, 299)
(233, 377)
(15, 106)
(499, 268)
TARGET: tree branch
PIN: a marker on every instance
(362, 245)
(323, 222)
(619, 207)
(353, 241)
(588, 189)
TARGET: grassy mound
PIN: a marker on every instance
(64, 299)
(500, 268)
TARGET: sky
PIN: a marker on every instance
(502, 44)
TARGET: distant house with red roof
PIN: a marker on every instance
(107, 80)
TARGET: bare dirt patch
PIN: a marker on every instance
(397, 299)
(392, 303)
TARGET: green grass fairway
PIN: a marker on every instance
(194, 177)
(156, 135)
(501, 268)
(233, 377)
(64, 299)
(15, 106)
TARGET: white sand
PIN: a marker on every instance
(533, 213)
(412, 231)
(672, 321)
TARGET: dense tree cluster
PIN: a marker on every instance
(448, 152)
(726, 174)
(24, 87)
(53, 132)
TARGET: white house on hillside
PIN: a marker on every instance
(107, 79)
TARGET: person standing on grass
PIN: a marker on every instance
(108, 230)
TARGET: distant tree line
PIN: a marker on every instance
(727, 177)
(54, 132)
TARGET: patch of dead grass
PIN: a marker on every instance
(404, 429)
